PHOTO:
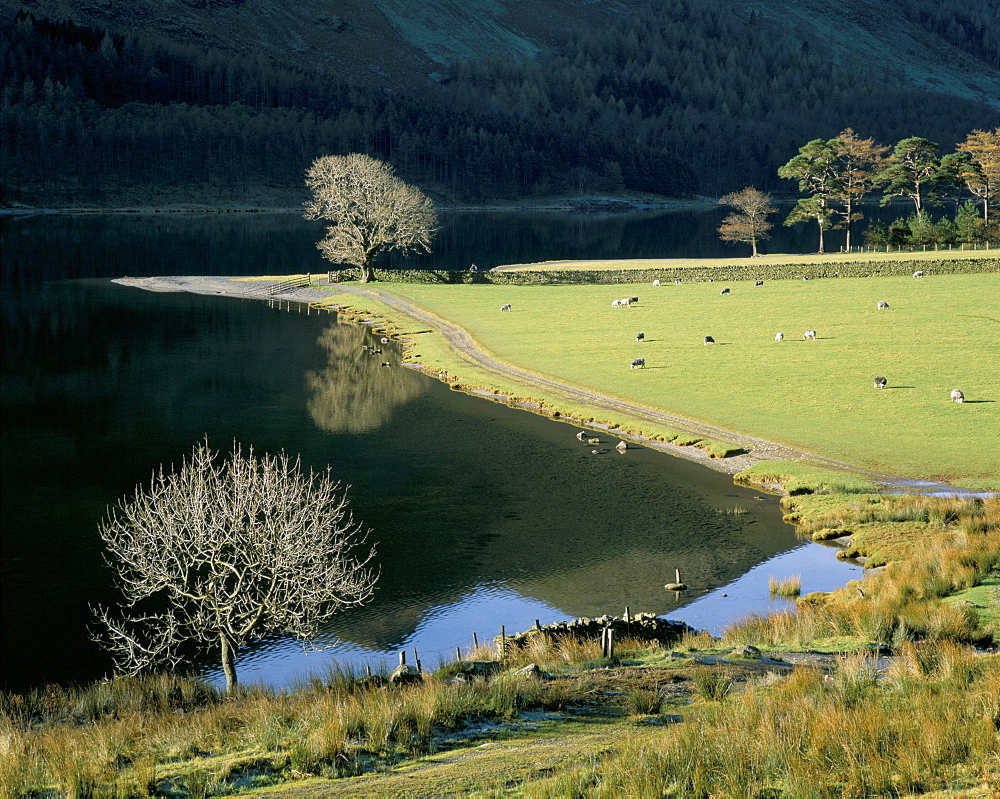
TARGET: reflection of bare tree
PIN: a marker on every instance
(354, 393)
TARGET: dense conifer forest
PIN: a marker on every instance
(679, 97)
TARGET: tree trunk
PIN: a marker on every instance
(367, 270)
(753, 243)
(822, 248)
(228, 662)
(850, 213)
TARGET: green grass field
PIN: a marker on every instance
(940, 333)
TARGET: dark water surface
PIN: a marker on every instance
(482, 515)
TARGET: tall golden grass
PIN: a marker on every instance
(960, 545)
(930, 725)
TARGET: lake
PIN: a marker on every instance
(482, 515)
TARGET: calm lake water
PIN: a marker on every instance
(482, 515)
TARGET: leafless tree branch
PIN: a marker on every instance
(236, 550)
(371, 209)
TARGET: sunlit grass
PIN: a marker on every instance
(817, 395)
(785, 586)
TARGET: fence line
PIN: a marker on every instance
(291, 283)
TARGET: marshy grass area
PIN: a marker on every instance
(937, 335)
(908, 701)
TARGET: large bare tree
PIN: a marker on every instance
(371, 209)
(225, 552)
(750, 225)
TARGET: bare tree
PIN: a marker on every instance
(233, 551)
(371, 209)
(751, 225)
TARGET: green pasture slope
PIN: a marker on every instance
(940, 332)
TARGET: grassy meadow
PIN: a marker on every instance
(940, 333)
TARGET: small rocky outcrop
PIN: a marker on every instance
(533, 672)
(645, 626)
(404, 675)
(476, 668)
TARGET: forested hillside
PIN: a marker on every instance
(676, 97)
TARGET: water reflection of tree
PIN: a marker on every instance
(354, 393)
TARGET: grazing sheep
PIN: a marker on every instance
(779, 337)
(677, 281)
(593, 441)
(880, 382)
(505, 307)
(919, 273)
(724, 291)
(804, 277)
(656, 282)
(709, 340)
(638, 363)
(385, 363)
(759, 283)
(640, 336)
(582, 435)
(384, 340)
(809, 334)
(883, 305)
(623, 303)
(957, 396)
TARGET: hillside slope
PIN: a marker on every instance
(369, 42)
(874, 29)
(116, 102)
(401, 42)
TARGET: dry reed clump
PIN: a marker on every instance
(644, 701)
(785, 586)
(850, 734)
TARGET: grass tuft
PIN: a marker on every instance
(786, 586)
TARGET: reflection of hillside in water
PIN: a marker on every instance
(354, 393)
(582, 534)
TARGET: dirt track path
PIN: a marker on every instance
(757, 448)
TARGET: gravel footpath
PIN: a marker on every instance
(757, 449)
